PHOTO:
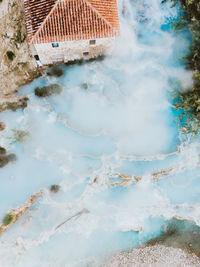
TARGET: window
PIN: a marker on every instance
(86, 54)
(92, 42)
(55, 44)
(36, 57)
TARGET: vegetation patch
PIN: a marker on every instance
(84, 86)
(2, 150)
(189, 100)
(20, 136)
(8, 219)
(48, 90)
(10, 55)
(55, 71)
(3, 161)
(11, 157)
(182, 234)
(55, 188)
(6, 158)
(14, 104)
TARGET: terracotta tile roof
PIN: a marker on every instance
(66, 20)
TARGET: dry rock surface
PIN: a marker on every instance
(155, 256)
(17, 66)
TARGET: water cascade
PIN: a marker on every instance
(111, 142)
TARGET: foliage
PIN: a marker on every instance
(48, 90)
(8, 219)
(10, 55)
(2, 150)
(55, 188)
(55, 70)
(84, 86)
(20, 136)
(189, 100)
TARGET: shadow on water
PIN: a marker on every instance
(182, 234)
(85, 61)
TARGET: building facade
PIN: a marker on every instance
(66, 30)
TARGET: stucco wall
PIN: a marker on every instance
(72, 50)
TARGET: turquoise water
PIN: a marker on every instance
(123, 123)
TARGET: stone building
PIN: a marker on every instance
(66, 30)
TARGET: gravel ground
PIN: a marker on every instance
(155, 256)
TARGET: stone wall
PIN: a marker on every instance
(72, 50)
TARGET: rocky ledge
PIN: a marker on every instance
(15, 214)
(17, 66)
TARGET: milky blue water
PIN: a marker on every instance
(123, 123)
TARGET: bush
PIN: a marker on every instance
(12, 157)
(48, 90)
(84, 86)
(55, 70)
(2, 150)
(55, 188)
(10, 55)
(3, 160)
(189, 101)
(8, 219)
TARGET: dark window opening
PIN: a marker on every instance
(92, 42)
(55, 44)
(36, 57)
(86, 54)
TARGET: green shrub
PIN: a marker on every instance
(10, 55)
(189, 101)
(55, 71)
(48, 90)
(2, 150)
(84, 86)
(8, 219)
(55, 188)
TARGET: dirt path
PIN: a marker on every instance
(20, 68)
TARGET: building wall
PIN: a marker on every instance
(72, 50)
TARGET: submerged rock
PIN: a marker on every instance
(2, 126)
(48, 90)
(55, 71)
(155, 256)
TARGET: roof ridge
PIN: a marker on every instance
(56, 5)
(96, 11)
(42, 24)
